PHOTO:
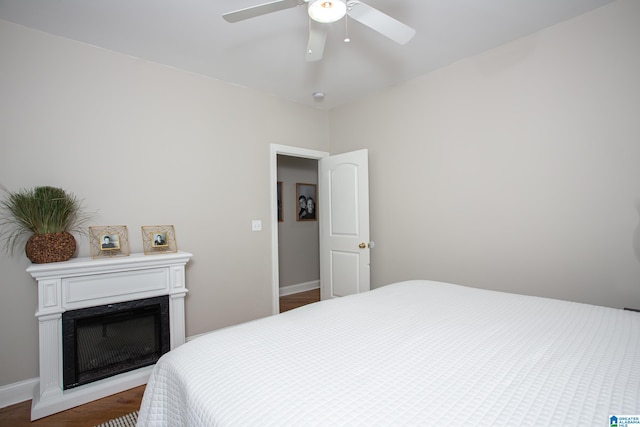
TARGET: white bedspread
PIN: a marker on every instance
(416, 353)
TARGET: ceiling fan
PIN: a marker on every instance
(323, 12)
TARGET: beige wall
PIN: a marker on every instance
(298, 241)
(517, 169)
(96, 122)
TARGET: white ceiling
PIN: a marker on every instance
(268, 52)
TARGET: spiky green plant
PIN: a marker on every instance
(39, 210)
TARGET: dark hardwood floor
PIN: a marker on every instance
(99, 411)
(290, 302)
(91, 414)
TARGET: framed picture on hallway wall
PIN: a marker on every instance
(307, 201)
(279, 191)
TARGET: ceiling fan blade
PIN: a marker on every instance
(261, 9)
(380, 22)
(317, 38)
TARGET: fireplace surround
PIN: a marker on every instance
(84, 283)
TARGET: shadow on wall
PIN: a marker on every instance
(636, 234)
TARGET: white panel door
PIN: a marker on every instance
(343, 189)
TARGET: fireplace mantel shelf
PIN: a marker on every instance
(85, 282)
(86, 265)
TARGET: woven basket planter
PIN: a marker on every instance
(54, 247)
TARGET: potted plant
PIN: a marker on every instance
(45, 217)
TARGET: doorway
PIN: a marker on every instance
(298, 226)
(294, 152)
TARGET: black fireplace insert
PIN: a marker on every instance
(103, 341)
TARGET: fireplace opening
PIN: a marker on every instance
(103, 341)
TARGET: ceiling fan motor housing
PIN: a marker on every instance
(326, 11)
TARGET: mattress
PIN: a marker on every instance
(415, 353)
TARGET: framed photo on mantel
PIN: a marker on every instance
(108, 241)
(159, 239)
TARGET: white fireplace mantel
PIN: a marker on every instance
(85, 282)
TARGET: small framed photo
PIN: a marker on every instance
(280, 217)
(108, 241)
(159, 239)
(307, 202)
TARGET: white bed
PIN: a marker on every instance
(415, 353)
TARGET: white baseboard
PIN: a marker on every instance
(11, 394)
(300, 287)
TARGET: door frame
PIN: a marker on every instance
(285, 150)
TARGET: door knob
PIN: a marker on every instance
(362, 245)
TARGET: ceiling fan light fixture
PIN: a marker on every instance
(326, 11)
